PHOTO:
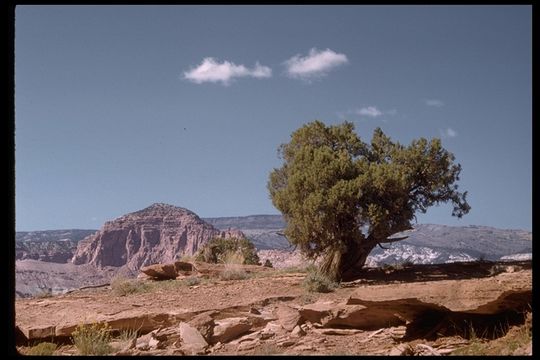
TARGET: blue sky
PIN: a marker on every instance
(119, 107)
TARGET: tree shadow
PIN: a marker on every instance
(430, 272)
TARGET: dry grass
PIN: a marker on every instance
(515, 342)
(92, 339)
(122, 286)
(268, 349)
(43, 348)
(233, 267)
(315, 281)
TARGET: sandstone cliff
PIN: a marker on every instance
(160, 233)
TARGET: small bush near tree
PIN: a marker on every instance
(316, 281)
(218, 249)
(233, 267)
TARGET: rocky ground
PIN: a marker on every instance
(421, 309)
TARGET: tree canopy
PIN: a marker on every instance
(332, 185)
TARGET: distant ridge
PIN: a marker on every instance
(442, 242)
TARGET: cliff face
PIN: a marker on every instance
(159, 233)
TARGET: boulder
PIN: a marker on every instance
(183, 268)
(160, 271)
(297, 331)
(315, 312)
(192, 340)
(230, 328)
(204, 323)
(288, 317)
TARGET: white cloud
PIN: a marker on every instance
(434, 102)
(367, 111)
(211, 70)
(316, 64)
(370, 111)
(448, 132)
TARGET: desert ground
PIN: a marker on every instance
(478, 308)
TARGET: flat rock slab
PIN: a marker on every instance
(60, 315)
(460, 295)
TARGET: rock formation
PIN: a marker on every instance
(160, 233)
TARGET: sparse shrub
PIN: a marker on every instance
(512, 341)
(218, 248)
(92, 339)
(407, 263)
(400, 265)
(192, 280)
(43, 348)
(232, 258)
(482, 259)
(388, 268)
(164, 285)
(267, 349)
(267, 263)
(122, 286)
(315, 281)
(234, 274)
(127, 335)
(187, 258)
(44, 293)
(294, 269)
(308, 298)
(125, 339)
(233, 266)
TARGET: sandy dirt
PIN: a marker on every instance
(410, 291)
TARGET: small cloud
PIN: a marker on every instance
(316, 64)
(211, 70)
(370, 111)
(367, 111)
(93, 218)
(434, 102)
(448, 132)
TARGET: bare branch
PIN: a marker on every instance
(391, 240)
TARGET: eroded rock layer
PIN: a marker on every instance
(160, 233)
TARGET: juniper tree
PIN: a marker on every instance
(332, 185)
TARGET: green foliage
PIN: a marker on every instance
(43, 348)
(217, 249)
(316, 281)
(332, 184)
(92, 339)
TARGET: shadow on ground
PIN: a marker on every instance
(430, 272)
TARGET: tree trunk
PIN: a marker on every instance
(331, 264)
(345, 266)
(354, 259)
(337, 264)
